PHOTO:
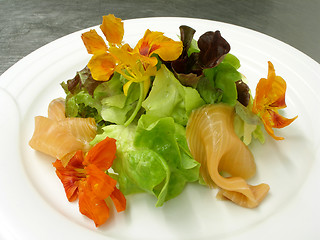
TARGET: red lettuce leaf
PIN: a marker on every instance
(82, 81)
(213, 47)
(189, 68)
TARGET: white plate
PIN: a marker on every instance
(33, 204)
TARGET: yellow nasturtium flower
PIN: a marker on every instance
(269, 98)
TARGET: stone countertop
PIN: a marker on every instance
(28, 25)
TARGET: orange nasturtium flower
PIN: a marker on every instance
(136, 65)
(85, 177)
(270, 97)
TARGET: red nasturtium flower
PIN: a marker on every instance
(269, 98)
(85, 177)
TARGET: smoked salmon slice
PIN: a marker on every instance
(56, 109)
(214, 143)
(61, 137)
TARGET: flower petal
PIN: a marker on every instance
(112, 28)
(119, 200)
(126, 87)
(102, 154)
(93, 42)
(100, 183)
(70, 176)
(272, 119)
(156, 42)
(279, 121)
(91, 206)
(169, 50)
(102, 66)
(124, 55)
(278, 93)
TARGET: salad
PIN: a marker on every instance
(155, 117)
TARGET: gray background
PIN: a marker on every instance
(26, 25)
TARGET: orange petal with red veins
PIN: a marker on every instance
(93, 42)
(112, 28)
(91, 206)
(270, 92)
(102, 66)
(119, 200)
(266, 119)
(101, 184)
(175, 50)
(69, 175)
(156, 42)
(102, 154)
(272, 119)
(279, 121)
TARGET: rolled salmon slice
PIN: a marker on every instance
(62, 138)
(56, 109)
(213, 143)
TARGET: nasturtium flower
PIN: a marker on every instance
(85, 178)
(269, 98)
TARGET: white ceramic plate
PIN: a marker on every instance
(33, 204)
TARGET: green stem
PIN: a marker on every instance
(138, 106)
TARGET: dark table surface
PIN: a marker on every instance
(26, 25)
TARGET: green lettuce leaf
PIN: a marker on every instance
(168, 97)
(247, 124)
(83, 105)
(116, 107)
(219, 84)
(231, 59)
(152, 157)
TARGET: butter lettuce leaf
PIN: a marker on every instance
(169, 98)
(219, 84)
(152, 157)
(115, 106)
